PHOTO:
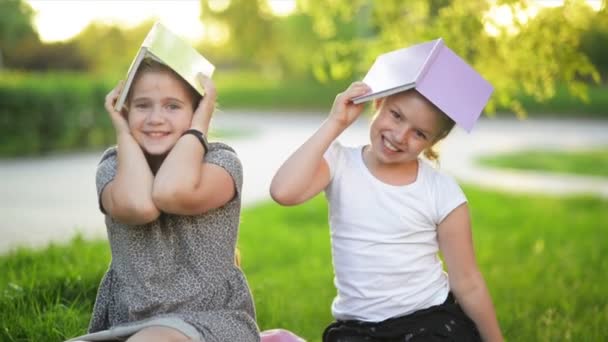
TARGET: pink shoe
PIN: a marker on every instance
(279, 335)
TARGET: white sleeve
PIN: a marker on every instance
(448, 196)
(333, 157)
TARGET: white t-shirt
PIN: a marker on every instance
(384, 238)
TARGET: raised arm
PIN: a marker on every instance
(186, 185)
(305, 173)
(128, 197)
(466, 281)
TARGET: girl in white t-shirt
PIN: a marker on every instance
(391, 213)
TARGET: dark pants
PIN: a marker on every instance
(444, 322)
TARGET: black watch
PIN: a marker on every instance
(200, 136)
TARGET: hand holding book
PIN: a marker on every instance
(436, 72)
(206, 107)
(344, 111)
(165, 47)
(118, 119)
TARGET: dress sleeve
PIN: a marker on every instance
(224, 156)
(448, 196)
(106, 171)
(333, 157)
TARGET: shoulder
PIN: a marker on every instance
(439, 182)
(108, 154)
(338, 151)
(220, 153)
(225, 157)
(219, 146)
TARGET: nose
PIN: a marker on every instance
(402, 133)
(155, 116)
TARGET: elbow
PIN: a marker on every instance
(275, 192)
(164, 198)
(137, 213)
(281, 196)
(176, 201)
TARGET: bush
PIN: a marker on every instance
(47, 112)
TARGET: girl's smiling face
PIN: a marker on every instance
(160, 109)
(404, 126)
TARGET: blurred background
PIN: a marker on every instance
(534, 169)
(58, 58)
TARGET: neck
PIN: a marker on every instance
(155, 162)
(392, 173)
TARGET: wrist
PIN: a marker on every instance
(200, 136)
(201, 128)
(336, 124)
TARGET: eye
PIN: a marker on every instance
(142, 105)
(173, 106)
(420, 134)
(395, 114)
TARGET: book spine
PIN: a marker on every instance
(429, 60)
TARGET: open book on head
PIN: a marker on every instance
(167, 48)
(437, 73)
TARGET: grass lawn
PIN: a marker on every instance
(589, 162)
(543, 258)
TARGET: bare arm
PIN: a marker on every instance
(184, 184)
(306, 173)
(466, 281)
(128, 197)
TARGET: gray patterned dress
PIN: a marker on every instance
(177, 271)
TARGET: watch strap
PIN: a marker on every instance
(200, 136)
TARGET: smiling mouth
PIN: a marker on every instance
(156, 134)
(389, 145)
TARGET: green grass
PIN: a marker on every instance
(543, 259)
(589, 162)
(565, 105)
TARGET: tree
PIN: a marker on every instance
(110, 49)
(15, 25)
(530, 57)
(248, 26)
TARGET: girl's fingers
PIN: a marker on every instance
(207, 104)
(113, 96)
(357, 89)
(207, 85)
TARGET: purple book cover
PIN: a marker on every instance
(437, 73)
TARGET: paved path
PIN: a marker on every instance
(50, 199)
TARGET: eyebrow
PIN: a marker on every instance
(145, 98)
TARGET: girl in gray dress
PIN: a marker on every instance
(172, 204)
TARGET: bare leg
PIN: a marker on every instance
(158, 334)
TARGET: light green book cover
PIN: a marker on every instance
(171, 50)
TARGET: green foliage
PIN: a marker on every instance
(542, 258)
(15, 25)
(595, 41)
(110, 49)
(15, 22)
(252, 90)
(588, 162)
(531, 57)
(52, 112)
